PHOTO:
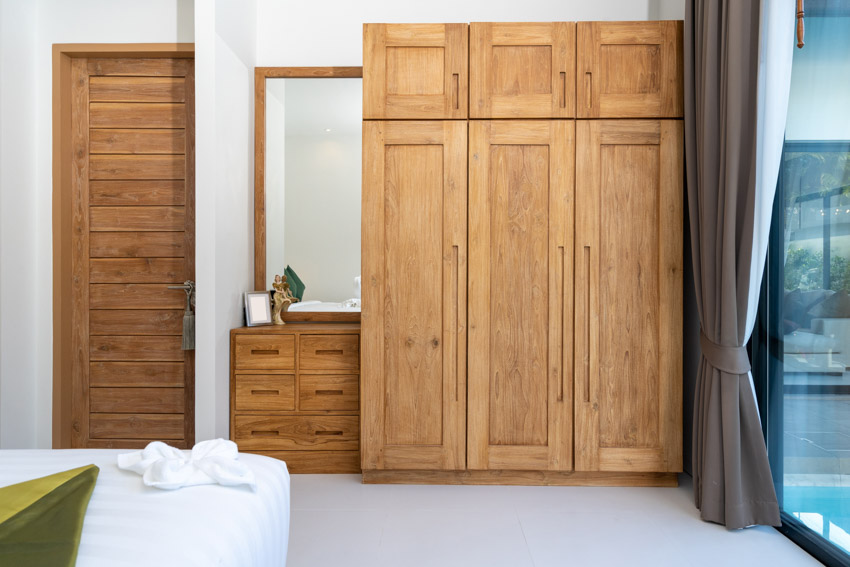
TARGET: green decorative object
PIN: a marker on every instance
(41, 520)
(295, 283)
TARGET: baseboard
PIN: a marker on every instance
(530, 478)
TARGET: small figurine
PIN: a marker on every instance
(283, 298)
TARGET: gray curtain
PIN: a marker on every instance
(732, 479)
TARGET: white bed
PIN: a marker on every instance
(128, 523)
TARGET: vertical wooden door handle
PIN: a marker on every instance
(588, 85)
(587, 325)
(563, 90)
(561, 283)
(455, 303)
(455, 91)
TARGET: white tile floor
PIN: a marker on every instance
(338, 521)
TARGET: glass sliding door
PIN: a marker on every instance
(802, 354)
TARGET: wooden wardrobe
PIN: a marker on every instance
(522, 253)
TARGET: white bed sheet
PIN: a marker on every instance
(128, 523)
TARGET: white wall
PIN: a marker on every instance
(330, 32)
(820, 82)
(29, 28)
(225, 49)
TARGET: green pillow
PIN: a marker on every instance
(296, 286)
(41, 520)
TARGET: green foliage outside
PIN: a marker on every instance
(804, 270)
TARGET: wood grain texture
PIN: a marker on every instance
(317, 462)
(137, 270)
(136, 426)
(415, 71)
(522, 478)
(329, 392)
(137, 89)
(135, 296)
(137, 374)
(127, 348)
(521, 191)
(321, 433)
(137, 400)
(522, 70)
(628, 296)
(413, 369)
(265, 392)
(189, 243)
(329, 352)
(630, 70)
(137, 115)
(142, 66)
(136, 141)
(138, 192)
(136, 322)
(80, 226)
(136, 245)
(137, 167)
(137, 218)
(265, 352)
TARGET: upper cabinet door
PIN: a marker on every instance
(522, 70)
(628, 373)
(413, 324)
(521, 294)
(629, 70)
(415, 71)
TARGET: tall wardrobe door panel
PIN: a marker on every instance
(628, 374)
(415, 71)
(414, 297)
(522, 70)
(629, 70)
(520, 294)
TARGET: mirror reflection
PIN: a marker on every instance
(312, 183)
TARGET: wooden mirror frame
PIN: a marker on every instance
(260, 76)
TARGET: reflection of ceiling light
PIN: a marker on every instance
(327, 129)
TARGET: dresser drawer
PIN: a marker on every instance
(326, 392)
(321, 433)
(272, 392)
(265, 352)
(330, 352)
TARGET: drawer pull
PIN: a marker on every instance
(317, 433)
(328, 392)
(265, 392)
(337, 352)
(273, 433)
(274, 352)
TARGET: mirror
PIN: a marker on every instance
(308, 168)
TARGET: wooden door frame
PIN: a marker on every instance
(62, 210)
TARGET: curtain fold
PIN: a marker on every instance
(732, 159)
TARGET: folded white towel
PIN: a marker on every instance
(209, 462)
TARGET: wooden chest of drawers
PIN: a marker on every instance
(295, 394)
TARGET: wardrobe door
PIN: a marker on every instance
(522, 70)
(413, 324)
(628, 374)
(520, 294)
(415, 70)
(629, 70)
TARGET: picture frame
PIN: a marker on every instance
(258, 310)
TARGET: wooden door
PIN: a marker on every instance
(628, 293)
(520, 294)
(415, 71)
(413, 324)
(629, 70)
(522, 70)
(133, 236)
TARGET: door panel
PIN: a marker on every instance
(520, 295)
(414, 306)
(415, 71)
(629, 295)
(133, 236)
(522, 70)
(629, 70)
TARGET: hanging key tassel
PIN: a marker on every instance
(188, 342)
